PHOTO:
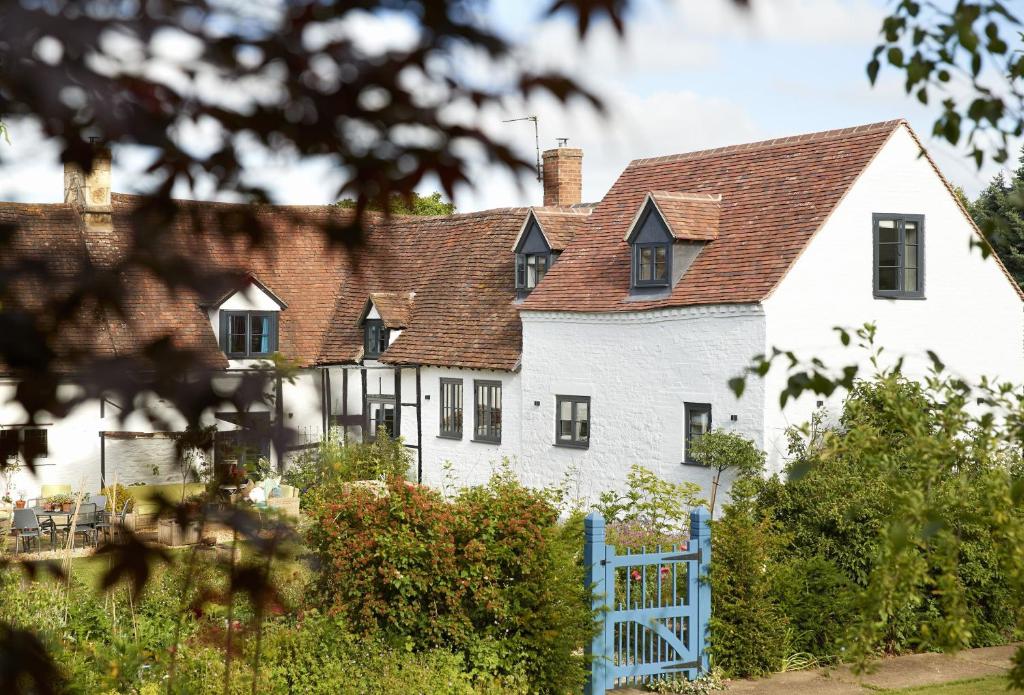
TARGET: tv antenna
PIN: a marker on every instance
(536, 138)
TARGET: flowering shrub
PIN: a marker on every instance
(491, 575)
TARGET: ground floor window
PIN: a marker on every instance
(697, 423)
(381, 410)
(488, 411)
(451, 408)
(572, 421)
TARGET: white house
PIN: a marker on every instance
(571, 339)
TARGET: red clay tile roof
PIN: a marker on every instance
(395, 308)
(459, 267)
(775, 196)
(560, 224)
(689, 216)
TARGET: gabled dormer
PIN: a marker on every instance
(534, 256)
(383, 318)
(668, 231)
(544, 235)
(245, 320)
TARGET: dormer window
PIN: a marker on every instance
(651, 242)
(666, 236)
(534, 256)
(531, 269)
(246, 320)
(248, 334)
(376, 337)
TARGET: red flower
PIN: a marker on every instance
(636, 575)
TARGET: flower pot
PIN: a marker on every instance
(66, 507)
(20, 504)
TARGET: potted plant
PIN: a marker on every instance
(61, 502)
(20, 502)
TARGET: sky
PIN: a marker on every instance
(688, 75)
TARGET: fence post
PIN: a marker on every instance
(700, 537)
(593, 561)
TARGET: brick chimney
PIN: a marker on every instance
(563, 176)
(90, 192)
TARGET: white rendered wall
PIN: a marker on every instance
(972, 316)
(639, 370)
(472, 462)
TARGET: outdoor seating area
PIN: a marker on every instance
(49, 522)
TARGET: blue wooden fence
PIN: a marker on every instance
(653, 607)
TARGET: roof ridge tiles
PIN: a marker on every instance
(820, 136)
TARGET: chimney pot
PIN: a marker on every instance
(563, 176)
(90, 192)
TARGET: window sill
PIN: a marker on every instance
(455, 437)
(571, 445)
(485, 441)
(691, 463)
(899, 296)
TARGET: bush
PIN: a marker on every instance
(892, 490)
(337, 461)
(491, 575)
(651, 512)
(748, 627)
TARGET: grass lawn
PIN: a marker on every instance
(975, 686)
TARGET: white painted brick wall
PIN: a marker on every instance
(972, 316)
(638, 369)
(472, 462)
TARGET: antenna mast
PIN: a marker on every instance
(536, 138)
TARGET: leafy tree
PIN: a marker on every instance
(999, 213)
(938, 47)
(416, 204)
(726, 451)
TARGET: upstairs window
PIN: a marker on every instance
(898, 256)
(534, 257)
(488, 411)
(651, 246)
(572, 421)
(531, 269)
(451, 408)
(248, 333)
(697, 423)
(33, 442)
(650, 263)
(376, 338)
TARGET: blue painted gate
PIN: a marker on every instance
(653, 607)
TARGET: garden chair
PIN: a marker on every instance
(26, 527)
(110, 525)
(85, 524)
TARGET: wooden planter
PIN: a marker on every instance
(170, 533)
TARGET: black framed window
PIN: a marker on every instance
(650, 265)
(381, 412)
(531, 269)
(572, 421)
(487, 402)
(9, 444)
(697, 423)
(376, 338)
(451, 408)
(248, 333)
(33, 442)
(898, 255)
